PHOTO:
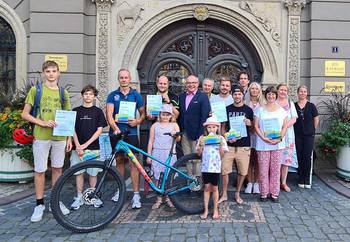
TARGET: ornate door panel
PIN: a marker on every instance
(206, 49)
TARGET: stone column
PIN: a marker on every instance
(293, 55)
(103, 51)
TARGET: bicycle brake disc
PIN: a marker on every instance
(89, 197)
(197, 184)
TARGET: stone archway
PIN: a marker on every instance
(16, 24)
(234, 17)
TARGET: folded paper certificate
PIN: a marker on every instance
(65, 121)
(272, 128)
(212, 139)
(154, 104)
(126, 112)
(237, 125)
(90, 155)
(232, 135)
(219, 110)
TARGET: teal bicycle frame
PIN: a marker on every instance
(127, 148)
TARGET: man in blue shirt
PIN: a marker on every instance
(126, 93)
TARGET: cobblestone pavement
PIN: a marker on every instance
(319, 214)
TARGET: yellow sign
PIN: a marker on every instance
(334, 68)
(334, 87)
(61, 60)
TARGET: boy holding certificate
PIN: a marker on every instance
(88, 127)
(240, 118)
(49, 97)
(124, 102)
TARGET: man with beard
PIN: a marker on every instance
(239, 149)
(224, 92)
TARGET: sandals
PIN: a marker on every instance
(158, 203)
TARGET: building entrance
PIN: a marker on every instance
(209, 48)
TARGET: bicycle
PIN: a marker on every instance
(99, 209)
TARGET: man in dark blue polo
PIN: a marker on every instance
(194, 110)
(126, 93)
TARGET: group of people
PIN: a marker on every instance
(261, 160)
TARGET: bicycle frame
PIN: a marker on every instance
(127, 148)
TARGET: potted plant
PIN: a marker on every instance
(16, 160)
(335, 141)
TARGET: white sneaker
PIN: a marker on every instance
(307, 186)
(115, 198)
(249, 187)
(38, 213)
(136, 203)
(64, 209)
(97, 203)
(256, 189)
(78, 201)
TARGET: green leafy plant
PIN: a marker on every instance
(10, 119)
(337, 134)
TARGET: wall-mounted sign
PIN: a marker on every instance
(334, 87)
(61, 60)
(334, 68)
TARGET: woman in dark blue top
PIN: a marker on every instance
(304, 130)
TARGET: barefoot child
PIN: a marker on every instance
(211, 147)
(159, 146)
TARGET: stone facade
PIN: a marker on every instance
(292, 37)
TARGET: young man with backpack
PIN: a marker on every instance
(40, 107)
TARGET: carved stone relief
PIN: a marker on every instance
(293, 55)
(103, 48)
(266, 23)
(127, 16)
(201, 13)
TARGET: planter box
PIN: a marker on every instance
(12, 168)
(343, 163)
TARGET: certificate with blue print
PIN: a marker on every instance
(65, 121)
(272, 128)
(154, 104)
(238, 125)
(126, 112)
(219, 110)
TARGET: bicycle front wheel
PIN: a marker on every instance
(97, 207)
(190, 201)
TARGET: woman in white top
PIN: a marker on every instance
(289, 156)
(255, 101)
(270, 125)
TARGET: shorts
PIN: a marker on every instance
(41, 151)
(239, 154)
(74, 160)
(212, 178)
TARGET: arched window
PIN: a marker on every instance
(7, 57)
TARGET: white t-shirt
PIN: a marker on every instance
(262, 114)
(217, 98)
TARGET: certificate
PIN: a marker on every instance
(105, 146)
(237, 125)
(126, 112)
(219, 110)
(65, 121)
(154, 104)
(272, 128)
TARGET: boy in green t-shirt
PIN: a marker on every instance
(45, 143)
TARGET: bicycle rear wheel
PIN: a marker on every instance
(190, 201)
(96, 209)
